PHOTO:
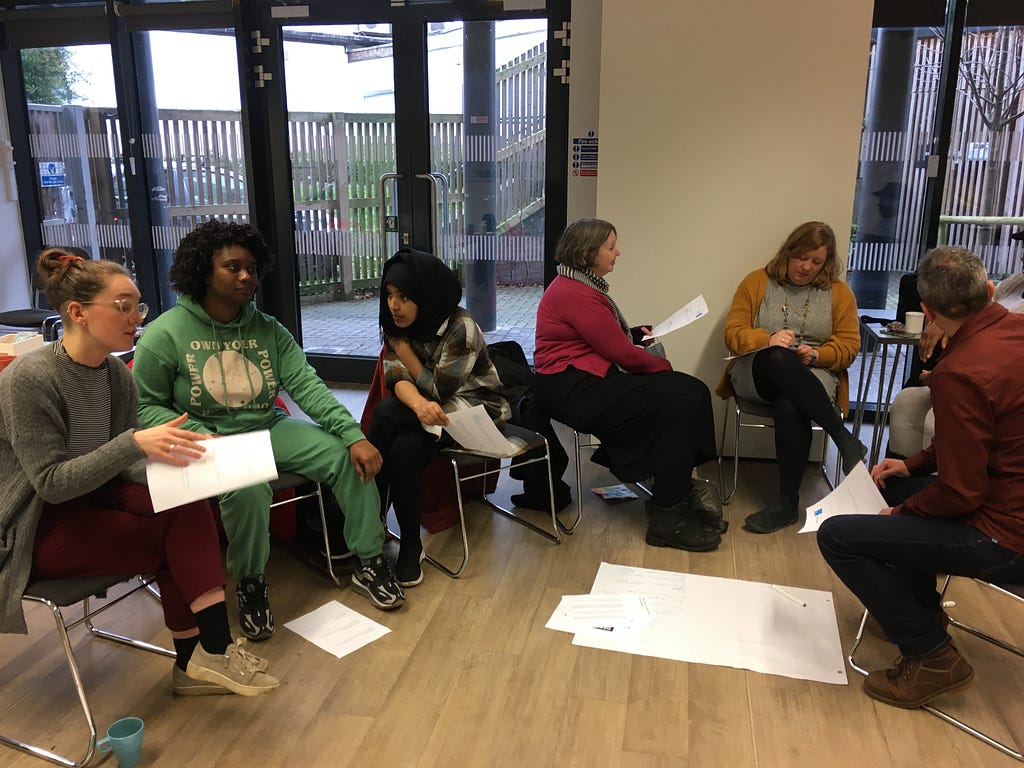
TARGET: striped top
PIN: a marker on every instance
(87, 398)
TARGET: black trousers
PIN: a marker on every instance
(406, 448)
(797, 398)
(649, 424)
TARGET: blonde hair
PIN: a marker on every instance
(809, 236)
(65, 276)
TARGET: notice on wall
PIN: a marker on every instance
(584, 155)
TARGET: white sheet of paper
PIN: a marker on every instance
(856, 495)
(473, 429)
(727, 622)
(337, 628)
(696, 308)
(230, 462)
(579, 613)
(751, 352)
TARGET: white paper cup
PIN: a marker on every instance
(914, 323)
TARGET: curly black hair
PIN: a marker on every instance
(194, 256)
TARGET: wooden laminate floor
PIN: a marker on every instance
(469, 676)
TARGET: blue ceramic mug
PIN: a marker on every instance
(124, 739)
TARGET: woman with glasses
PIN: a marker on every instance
(72, 464)
(219, 358)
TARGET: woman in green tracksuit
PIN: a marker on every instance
(218, 358)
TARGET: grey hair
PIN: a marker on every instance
(952, 281)
(580, 241)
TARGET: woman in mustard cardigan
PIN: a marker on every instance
(794, 325)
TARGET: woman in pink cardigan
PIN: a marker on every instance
(794, 325)
(594, 375)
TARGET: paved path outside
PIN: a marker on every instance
(351, 328)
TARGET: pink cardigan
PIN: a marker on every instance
(576, 326)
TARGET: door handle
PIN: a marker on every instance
(442, 223)
(382, 185)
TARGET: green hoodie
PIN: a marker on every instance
(227, 375)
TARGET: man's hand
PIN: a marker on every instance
(365, 458)
(930, 336)
(889, 468)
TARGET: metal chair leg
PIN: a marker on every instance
(1007, 749)
(327, 539)
(83, 702)
(76, 677)
(551, 535)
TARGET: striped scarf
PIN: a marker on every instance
(591, 280)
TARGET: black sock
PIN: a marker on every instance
(184, 646)
(214, 632)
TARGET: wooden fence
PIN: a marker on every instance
(196, 165)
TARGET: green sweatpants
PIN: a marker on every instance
(309, 450)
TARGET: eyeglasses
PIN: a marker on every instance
(124, 306)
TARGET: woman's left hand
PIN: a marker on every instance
(808, 354)
(431, 413)
(366, 459)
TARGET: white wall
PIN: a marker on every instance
(584, 98)
(14, 286)
(723, 126)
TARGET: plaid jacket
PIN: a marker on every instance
(457, 371)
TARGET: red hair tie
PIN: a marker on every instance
(69, 257)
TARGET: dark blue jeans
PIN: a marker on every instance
(890, 564)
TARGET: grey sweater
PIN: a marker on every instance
(34, 468)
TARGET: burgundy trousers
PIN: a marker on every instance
(113, 531)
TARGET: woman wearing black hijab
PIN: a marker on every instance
(435, 362)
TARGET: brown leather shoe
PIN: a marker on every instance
(873, 628)
(913, 683)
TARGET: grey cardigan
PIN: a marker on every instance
(34, 468)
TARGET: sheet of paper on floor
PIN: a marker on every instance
(337, 628)
(576, 613)
(856, 495)
(726, 622)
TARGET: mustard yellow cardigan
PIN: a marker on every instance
(836, 354)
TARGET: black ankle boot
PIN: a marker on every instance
(707, 503)
(679, 526)
(780, 514)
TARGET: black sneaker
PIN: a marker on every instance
(373, 579)
(254, 614)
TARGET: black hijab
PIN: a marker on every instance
(426, 281)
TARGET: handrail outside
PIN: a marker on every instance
(945, 221)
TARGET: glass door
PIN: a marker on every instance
(488, 131)
(422, 130)
(341, 134)
(72, 117)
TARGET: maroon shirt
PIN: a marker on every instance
(978, 450)
(576, 326)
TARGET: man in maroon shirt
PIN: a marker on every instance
(970, 520)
